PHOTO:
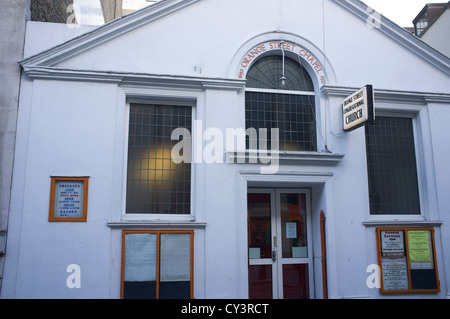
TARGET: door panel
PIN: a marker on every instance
(259, 225)
(293, 225)
(279, 247)
(295, 281)
(260, 282)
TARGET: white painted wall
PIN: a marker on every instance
(53, 33)
(79, 128)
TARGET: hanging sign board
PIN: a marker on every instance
(358, 108)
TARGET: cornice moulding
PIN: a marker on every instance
(133, 79)
(390, 95)
(250, 157)
(157, 224)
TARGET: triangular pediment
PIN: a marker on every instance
(147, 30)
(88, 41)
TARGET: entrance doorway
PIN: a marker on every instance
(279, 244)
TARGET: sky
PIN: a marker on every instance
(402, 12)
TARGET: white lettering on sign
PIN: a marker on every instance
(278, 45)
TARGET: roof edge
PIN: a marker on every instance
(121, 26)
(127, 78)
(400, 35)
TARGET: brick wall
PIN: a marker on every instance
(50, 10)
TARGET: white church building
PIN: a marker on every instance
(232, 149)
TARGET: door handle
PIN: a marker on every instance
(274, 252)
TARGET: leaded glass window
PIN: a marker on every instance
(281, 95)
(392, 167)
(266, 73)
(155, 183)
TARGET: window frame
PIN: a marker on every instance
(169, 101)
(414, 115)
(158, 256)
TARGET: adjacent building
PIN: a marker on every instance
(263, 149)
(12, 37)
(15, 16)
(113, 9)
(432, 25)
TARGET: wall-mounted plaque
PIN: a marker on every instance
(68, 199)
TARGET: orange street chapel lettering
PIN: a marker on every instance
(252, 54)
(262, 48)
(308, 57)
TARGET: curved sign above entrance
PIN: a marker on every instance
(278, 45)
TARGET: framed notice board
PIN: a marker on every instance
(407, 259)
(68, 199)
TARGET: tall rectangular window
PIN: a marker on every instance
(392, 167)
(156, 184)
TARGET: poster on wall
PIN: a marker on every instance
(393, 260)
(420, 249)
(392, 244)
(68, 199)
(140, 257)
(407, 259)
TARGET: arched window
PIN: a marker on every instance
(280, 94)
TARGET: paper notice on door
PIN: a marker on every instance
(291, 230)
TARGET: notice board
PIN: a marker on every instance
(68, 199)
(407, 259)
